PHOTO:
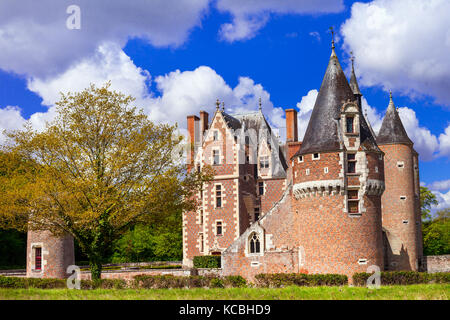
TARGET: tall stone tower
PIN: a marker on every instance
(48, 256)
(401, 201)
(338, 182)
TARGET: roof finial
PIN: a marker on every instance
(223, 105)
(352, 57)
(217, 104)
(260, 104)
(332, 37)
(390, 94)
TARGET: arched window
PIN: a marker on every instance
(254, 243)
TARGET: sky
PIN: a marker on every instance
(176, 57)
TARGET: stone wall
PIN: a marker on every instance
(437, 263)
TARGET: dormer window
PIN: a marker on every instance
(216, 158)
(316, 156)
(264, 162)
(349, 124)
(215, 135)
(300, 159)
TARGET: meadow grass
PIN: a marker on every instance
(410, 292)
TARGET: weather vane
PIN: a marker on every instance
(332, 37)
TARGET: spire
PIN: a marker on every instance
(392, 130)
(353, 82)
(322, 131)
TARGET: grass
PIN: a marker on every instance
(411, 292)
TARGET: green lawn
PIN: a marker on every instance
(412, 292)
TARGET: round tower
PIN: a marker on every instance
(401, 200)
(338, 183)
(49, 256)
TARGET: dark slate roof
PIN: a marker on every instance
(354, 82)
(257, 122)
(322, 131)
(392, 130)
(231, 121)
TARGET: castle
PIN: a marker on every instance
(339, 201)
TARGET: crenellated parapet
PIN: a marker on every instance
(318, 188)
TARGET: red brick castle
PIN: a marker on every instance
(340, 201)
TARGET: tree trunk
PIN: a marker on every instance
(96, 269)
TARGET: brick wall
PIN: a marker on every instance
(436, 263)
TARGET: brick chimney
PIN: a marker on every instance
(291, 125)
(203, 122)
(192, 127)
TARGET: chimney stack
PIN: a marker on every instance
(192, 127)
(203, 122)
(291, 125)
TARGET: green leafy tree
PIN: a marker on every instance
(100, 168)
(436, 234)
(427, 201)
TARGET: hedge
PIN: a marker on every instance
(207, 261)
(277, 280)
(38, 283)
(403, 278)
(170, 281)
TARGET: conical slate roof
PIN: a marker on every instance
(392, 130)
(322, 131)
(353, 82)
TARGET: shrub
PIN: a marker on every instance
(234, 281)
(25, 283)
(207, 261)
(216, 283)
(402, 278)
(277, 280)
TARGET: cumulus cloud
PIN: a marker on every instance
(177, 94)
(443, 199)
(402, 45)
(248, 17)
(440, 185)
(444, 143)
(34, 33)
(425, 143)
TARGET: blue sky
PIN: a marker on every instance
(177, 57)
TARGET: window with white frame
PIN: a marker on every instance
(219, 229)
(215, 135)
(216, 157)
(254, 245)
(218, 196)
(316, 156)
(264, 162)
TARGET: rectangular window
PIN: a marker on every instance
(202, 243)
(300, 159)
(353, 207)
(216, 135)
(256, 214)
(351, 163)
(216, 159)
(219, 228)
(264, 162)
(38, 258)
(218, 196)
(261, 188)
(201, 217)
(349, 125)
(353, 194)
(316, 156)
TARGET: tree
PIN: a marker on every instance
(427, 200)
(97, 170)
(436, 234)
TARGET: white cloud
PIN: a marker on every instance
(402, 45)
(443, 199)
(249, 16)
(34, 40)
(444, 143)
(10, 119)
(440, 185)
(425, 143)
(305, 107)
